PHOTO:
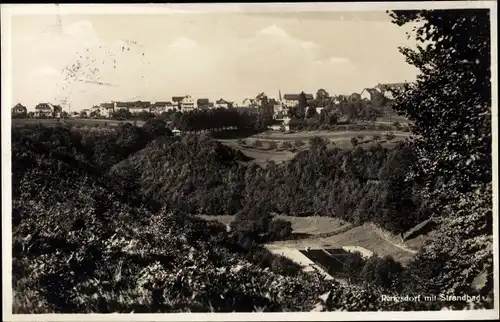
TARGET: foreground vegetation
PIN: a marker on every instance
(104, 222)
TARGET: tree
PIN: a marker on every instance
(122, 114)
(450, 103)
(273, 145)
(94, 114)
(390, 136)
(156, 127)
(317, 142)
(287, 145)
(311, 112)
(354, 142)
(322, 95)
(450, 107)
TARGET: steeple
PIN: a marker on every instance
(280, 94)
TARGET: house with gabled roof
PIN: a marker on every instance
(44, 110)
(161, 107)
(139, 107)
(222, 103)
(187, 103)
(382, 89)
(292, 100)
(106, 109)
(19, 110)
(203, 103)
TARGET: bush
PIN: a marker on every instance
(361, 137)
(353, 264)
(156, 127)
(279, 229)
(242, 142)
(354, 141)
(317, 142)
(384, 272)
(298, 143)
(287, 145)
(272, 145)
(376, 137)
(390, 136)
(257, 143)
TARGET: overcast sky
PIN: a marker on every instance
(227, 55)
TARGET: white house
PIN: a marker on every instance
(221, 103)
(292, 100)
(106, 109)
(121, 106)
(381, 89)
(248, 102)
(44, 110)
(160, 107)
(284, 124)
(187, 103)
(138, 109)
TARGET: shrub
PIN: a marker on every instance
(361, 137)
(390, 136)
(298, 143)
(317, 142)
(376, 137)
(354, 141)
(272, 145)
(384, 272)
(287, 145)
(156, 127)
(242, 142)
(257, 143)
(279, 229)
(353, 264)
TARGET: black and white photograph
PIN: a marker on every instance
(317, 161)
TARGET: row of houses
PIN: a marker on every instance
(42, 110)
(178, 103)
(187, 103)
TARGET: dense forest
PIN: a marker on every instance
(206, 177)
(104, 221)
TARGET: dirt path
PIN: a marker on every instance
(403, 248)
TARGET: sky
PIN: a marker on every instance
(82, 60)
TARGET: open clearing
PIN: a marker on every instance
(364, 236)
(313, 225)
(75, 121)
(338, 139)
(329, 233)
(331, 135)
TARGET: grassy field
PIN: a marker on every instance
(337, 139)
(76, 121)
(313, 225)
